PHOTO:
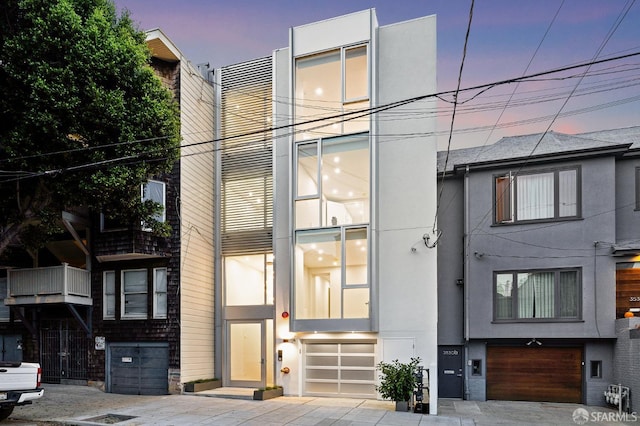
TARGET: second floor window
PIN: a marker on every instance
(546, 294)
(546, 195)
(135, 293)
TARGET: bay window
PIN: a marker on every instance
(545, 294)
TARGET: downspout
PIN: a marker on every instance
(466, 275)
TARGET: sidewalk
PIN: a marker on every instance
(81, 405)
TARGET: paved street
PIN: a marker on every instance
(81, 405)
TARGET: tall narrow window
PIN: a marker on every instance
(109, 295)
(154, 191)
(504, 211)
(160, 293)
(134, 293)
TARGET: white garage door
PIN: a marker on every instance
(340, 369)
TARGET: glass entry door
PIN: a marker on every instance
(249, 363)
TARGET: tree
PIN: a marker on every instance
(84, 121)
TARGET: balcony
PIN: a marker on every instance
(56, 284)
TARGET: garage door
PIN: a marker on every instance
(340, 369)
(138, 368)
(534, 374)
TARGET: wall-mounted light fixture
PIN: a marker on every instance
(534, 340)
(285, 315)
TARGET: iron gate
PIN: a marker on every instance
(63, 354)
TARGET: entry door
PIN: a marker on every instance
(450, 371)
(248, 364)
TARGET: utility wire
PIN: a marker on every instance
(354, 114)
(455, 106)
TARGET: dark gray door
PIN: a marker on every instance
(11, 348)
(450, 371)
(138, 368)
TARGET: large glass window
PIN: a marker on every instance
(330, 84)
(134, 293)
(537, 196)
(248, 279)
(331, 273)
(549, 294)
(332, 182)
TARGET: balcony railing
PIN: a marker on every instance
(56, 284)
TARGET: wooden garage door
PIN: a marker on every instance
(534, 374)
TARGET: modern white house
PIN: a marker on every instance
(325, 190)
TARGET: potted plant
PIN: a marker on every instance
(398, 381)
(202, 385)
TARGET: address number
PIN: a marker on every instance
(634, 299)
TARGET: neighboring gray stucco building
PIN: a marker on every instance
(535, 230)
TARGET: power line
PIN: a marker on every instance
(354, 114)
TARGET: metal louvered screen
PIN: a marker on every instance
(246, 158)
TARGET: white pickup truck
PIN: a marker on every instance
(19, 385)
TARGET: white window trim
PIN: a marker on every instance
(124, 315)
(163, 215)
(105, 315)
(157, 315)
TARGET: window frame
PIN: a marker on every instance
(123, 295)
(512, 199)
(342, 264)
(156, 294)
(160, 217)
(105, 295)
(322, 218)
(344, 102)
(556, 293)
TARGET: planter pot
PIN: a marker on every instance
(202, 386)
(260, 395)
(402, 405)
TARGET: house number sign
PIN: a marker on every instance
(634, 299)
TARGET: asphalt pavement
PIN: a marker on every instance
(83, 405)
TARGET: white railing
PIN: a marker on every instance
(62, 280)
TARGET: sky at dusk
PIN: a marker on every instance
(507, 39)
